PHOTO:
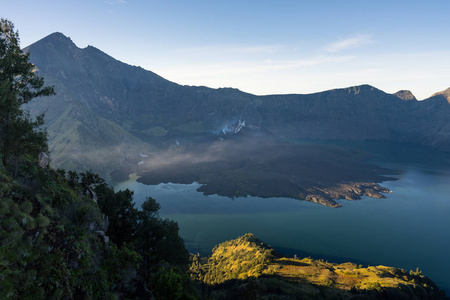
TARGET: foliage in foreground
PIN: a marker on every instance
(54, 243)
(19, 84)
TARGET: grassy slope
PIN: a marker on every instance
(80, 140)
(246, 267)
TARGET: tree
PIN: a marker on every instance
(158, 239)
(19, 84)
(122, 215)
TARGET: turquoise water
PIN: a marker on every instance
(409, 229)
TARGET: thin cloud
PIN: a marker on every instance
(245, 67)
(349, 43)
(218, 50)
(113, 2)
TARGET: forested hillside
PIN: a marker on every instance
(58, 242)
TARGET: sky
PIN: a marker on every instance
(258, 46)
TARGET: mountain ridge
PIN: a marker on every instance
(445, 94)
(156, 111)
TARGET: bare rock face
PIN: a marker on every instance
(44, 160)
(100, 228)
(103, 235)
(405, 95)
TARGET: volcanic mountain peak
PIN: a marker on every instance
(57, 37)
(54, 40)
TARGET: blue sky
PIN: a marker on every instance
(261, 47)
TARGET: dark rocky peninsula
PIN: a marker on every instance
(257, 164)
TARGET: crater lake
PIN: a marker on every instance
(409, 229)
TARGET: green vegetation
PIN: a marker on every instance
(155, 131)
(246, 268)
(237, 259)
(53, 241)
(19, 84)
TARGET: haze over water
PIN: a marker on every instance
(409, 229)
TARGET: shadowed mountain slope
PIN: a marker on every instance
(108, 111)
(147, 105)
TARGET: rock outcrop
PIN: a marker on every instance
(405, 95)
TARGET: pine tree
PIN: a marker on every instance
(19, 84)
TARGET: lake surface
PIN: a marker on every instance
(409, 229)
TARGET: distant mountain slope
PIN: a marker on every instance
(444, 94)
(405, 95)
(143, 110)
